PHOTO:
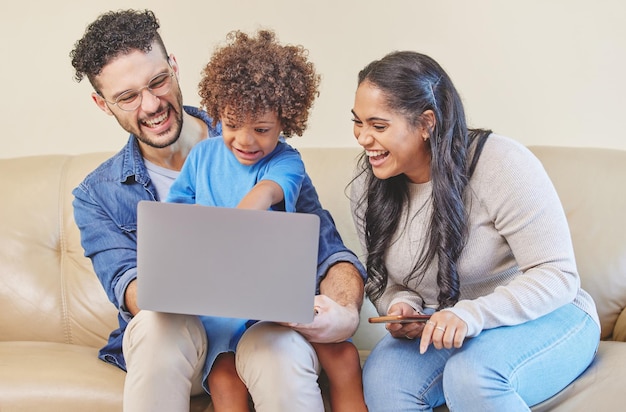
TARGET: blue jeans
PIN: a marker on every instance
(502, 369)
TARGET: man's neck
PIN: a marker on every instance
(173, 156)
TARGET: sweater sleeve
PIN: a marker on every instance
(514, 189)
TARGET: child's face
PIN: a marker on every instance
(252, 140)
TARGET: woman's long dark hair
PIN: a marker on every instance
(413, 83)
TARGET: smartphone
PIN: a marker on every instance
(399, 319)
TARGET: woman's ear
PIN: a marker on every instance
(171, 60)
(428, 123)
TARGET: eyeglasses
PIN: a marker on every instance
(131, 99)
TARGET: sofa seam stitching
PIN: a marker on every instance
(63, 251)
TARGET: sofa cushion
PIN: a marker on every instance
(598, 388)
(54, 376)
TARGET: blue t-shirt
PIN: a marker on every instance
(105, 210)
(212, 175)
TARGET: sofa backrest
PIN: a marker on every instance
(591, 184)
(48, 290)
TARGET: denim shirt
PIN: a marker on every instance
(105, 210)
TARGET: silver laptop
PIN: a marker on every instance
(226, 262)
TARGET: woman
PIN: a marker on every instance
(465, 225)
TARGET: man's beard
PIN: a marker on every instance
(178, 125)
(174, 131)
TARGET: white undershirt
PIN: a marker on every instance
(162, 178)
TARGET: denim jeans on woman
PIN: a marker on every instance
(503, 369)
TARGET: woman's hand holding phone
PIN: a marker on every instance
(402, 321)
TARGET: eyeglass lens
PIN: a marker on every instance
(158, 86)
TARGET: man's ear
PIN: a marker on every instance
(101, 103)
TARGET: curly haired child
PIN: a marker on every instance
(261, 92)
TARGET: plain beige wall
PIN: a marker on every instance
(541, 71)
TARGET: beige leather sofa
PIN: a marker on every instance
(54, 315)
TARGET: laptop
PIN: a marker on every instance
(226, 262)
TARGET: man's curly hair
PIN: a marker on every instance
(113, 34)
(252, 75)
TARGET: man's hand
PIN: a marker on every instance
(337, 306)
(332, 322)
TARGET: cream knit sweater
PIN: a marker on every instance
(518, 263)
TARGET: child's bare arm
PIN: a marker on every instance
(263, 195)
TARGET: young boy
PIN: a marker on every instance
(261, 91)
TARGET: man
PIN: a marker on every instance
(136, 81)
